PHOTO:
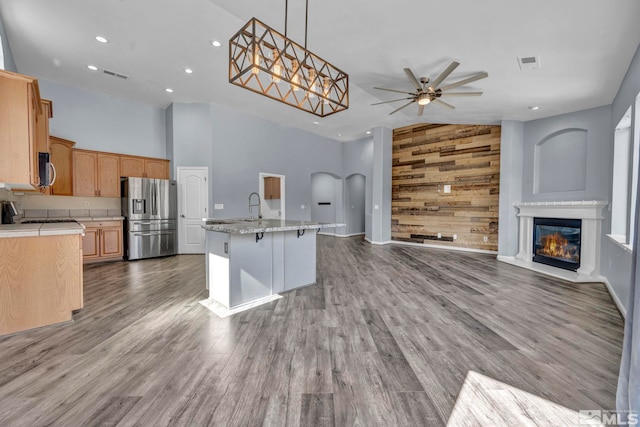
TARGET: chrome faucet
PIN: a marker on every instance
(258, 205)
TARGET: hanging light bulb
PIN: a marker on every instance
(256, 59)
(325, 89)
(295, 79)
(313, 84)
(277, 67)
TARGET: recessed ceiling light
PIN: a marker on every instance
(188, 70)
(102, 39)
(169, 90)
(534, 107)
(339, 134)
(368, 132)
(92, 67)
(316, 123)
(216, 43)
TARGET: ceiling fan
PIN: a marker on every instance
(427, 93)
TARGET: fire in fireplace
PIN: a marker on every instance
(556, 242)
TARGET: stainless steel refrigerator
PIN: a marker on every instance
(150, 211)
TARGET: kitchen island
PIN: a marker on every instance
(252, 260)
(40, 274)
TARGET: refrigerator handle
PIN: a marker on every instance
(153, 198)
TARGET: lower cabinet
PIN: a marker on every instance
(102, 241)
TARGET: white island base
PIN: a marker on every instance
(245, 268)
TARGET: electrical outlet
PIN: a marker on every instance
(455, 237)
(303, 206)
(439, 235)
(376, 207)
(485, 239)
(447, 188)
(218, 206)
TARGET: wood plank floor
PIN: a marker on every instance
(390, 335)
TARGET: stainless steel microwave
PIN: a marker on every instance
(46, 169)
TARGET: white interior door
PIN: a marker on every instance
(193, 199)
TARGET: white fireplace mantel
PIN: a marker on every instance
(590, 212)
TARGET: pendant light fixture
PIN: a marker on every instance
(267, 62)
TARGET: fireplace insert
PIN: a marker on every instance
(556, 242)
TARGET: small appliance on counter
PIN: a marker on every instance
(150, 210)
(9, 211)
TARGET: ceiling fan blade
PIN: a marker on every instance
(444, 74)
(465, 81)
(404, 106)
(420, 110)
(413, 79)
(461, 94)
(444, 104)
(393, 90)
(393, 100)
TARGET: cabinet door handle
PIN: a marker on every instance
(55, 174)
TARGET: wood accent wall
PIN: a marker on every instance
(426, 157)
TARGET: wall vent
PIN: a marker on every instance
(529, 62)
(114, 74)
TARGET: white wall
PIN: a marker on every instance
(9, 63)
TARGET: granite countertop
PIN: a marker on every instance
(31, 230)
(79, 219)
(247, 226)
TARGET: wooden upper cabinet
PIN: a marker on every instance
(131, 166)
(271, 188)
(19, 108)
(85, 173)
(144, 167)
(62, 159)
(96, 174)
(156, 168)
(108, 175)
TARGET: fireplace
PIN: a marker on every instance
(556, 242)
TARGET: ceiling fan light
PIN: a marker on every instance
(424, 99)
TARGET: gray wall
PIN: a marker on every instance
(615, 263)
(9, 63)
(511, 160)
(381, 192)
(599, 154)
(96, 121)
(324, 189)
(355, 203)
(237, 147)
(358, 158)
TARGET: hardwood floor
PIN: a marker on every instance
(390, 335)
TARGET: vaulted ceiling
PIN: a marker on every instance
(584, 48)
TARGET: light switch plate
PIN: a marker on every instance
(218, 206)
(447, 188)
(376, 207)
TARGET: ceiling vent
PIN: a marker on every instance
(114, 74)
(529, 62)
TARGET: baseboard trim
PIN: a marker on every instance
(621, 308)
(446, 248)
(341, 235)
(426, 245)
(378, 243)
